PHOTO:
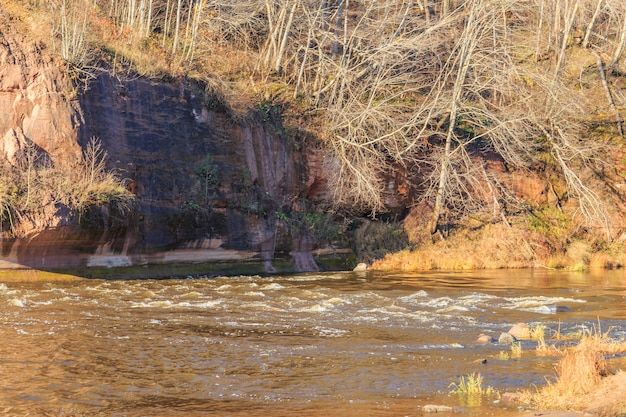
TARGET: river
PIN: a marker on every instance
(349, 344)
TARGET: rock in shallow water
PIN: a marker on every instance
(520, 331)
(432, 408)
(483, 338)
(360, 267)
(506, 339)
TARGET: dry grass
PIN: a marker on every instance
(37, 188)
(493, 246)
(537, 332)
(514, 353)
(581, 373)
(496, 246)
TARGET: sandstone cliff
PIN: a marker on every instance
(207, 186)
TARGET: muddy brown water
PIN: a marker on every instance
(346, 344)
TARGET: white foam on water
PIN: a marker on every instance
(16, 302)
(398, 309)
(254, 294)
(382, 311)
(336, 301)
(330, 332)
(540, 304)
(477, 301)
(152, 304)
(261, 306)
(478, 297)
(225, 287)
(56, 290)
(443, 346)
(453, 309)
(421, 316)
(540, 309)
(440, 302)
(192, 294)
(203, 304)
(412, 297)
(317, 308)
(272, 286)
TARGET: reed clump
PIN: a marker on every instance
(515, 352)
(472, 385)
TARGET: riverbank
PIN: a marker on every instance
(476, 246)
(195, 264)
(32, 275)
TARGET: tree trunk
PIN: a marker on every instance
(278, 63)
(177, 28)
(609, 96)
(568, 27)
(467, 47)
(620, 46)
(539, 30)
(591, 23)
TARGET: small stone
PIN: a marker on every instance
(360, 267)
(563, 309)
(483, 338)
(506, 339)
(431, 408)
(511, 397)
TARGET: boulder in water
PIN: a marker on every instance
(506, 339)
(520, 331)
(360, 267)
(483, 338)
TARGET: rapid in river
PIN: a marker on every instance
(345, 344)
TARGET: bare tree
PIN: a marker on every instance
(72, 30)
(620, 46)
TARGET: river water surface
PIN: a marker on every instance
(345, 344)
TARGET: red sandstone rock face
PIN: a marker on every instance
(36, 108)
(37, 101)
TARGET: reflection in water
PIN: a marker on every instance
(338, 343)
